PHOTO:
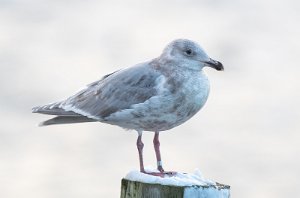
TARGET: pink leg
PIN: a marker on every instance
(140, 146)
(157, 152)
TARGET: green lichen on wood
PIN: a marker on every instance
(133, 189)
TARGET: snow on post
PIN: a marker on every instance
(182, 185)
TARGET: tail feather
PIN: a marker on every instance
(66, 120)
(54, 109)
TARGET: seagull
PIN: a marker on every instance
(153, 96)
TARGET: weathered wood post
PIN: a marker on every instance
(165, 189)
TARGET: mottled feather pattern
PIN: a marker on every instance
(54, 109)
(152, 96)
(116, 92)
(155, 96)
(171, 106)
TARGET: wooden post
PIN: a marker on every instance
(134, 189)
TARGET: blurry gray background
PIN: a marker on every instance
(246, 136)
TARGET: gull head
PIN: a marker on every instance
(189, 54)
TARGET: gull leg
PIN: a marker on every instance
(156, 144)
(140, 146)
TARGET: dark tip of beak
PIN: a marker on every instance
(215, 64)
(219, 66)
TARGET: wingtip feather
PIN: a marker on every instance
(34, 109)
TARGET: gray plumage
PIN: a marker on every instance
(66, 120)
(154, 96)
(100, 99)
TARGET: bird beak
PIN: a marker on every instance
(214, 64)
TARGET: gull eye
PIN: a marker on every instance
(188, 52)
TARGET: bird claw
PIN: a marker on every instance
(160, 168)
(161, 174)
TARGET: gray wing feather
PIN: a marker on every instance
(53, 109)
(66, 120)
(56, 108)
(116, 92)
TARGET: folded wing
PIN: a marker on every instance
(114, 92)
